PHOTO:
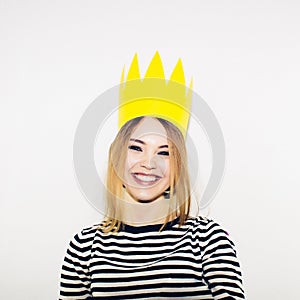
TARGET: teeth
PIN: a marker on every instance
(147, 178)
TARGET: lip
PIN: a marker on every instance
(145, 179)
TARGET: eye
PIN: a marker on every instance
(166, 153)
(135, 148)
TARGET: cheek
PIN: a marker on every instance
(164, 166)
(131, 161)
(168, 169)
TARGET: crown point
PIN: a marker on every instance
(123, 75)
(155, 69)
(134, 72)
(191, 84)
(190, 90)
(178, 73)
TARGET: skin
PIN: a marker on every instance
(147, 167)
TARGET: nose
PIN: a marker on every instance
(148, 161)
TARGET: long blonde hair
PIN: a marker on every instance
(179, 191)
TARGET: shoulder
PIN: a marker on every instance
(78, 252)
(84, 237)
(209, 229)
(205, 223)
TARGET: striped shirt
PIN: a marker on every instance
(195, 261)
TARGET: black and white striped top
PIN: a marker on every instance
(195, 261)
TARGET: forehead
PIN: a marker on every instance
(149, 126)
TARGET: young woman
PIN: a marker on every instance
(149, 247)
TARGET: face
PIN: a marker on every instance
(147, 166)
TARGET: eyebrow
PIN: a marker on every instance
(143, 143)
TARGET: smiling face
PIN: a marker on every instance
(147, 166)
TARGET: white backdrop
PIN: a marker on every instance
(58, 56)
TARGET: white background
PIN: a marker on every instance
(58, 56)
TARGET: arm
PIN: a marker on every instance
(221, 268)
(75, 276)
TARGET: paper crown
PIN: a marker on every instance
(154, 95)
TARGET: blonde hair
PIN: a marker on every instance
(179, 191)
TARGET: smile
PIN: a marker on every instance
(145, 179)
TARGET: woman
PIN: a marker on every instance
(148, 247)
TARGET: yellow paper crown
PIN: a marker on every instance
(154, 96)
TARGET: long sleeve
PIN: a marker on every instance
(75, 276)
(221, 268)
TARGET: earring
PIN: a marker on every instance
(167, 193)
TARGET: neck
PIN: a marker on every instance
(145, 213)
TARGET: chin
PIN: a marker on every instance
(145, 201)
(145, 198)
